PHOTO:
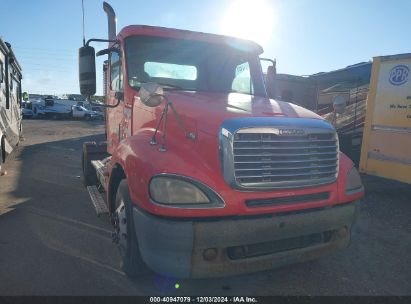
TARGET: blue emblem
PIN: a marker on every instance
(399, 75)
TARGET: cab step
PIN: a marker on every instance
(101, 170)
(97, 200)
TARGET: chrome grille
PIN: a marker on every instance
(265, 158)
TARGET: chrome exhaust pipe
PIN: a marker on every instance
(111, 20)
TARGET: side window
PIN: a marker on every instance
(116, 76)
(15, 89)
(12, 91)
(242, 82)
(1, 72)
(7, 83)
(19, 93)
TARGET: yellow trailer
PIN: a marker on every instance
(386, 146)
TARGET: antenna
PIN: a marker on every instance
(84, 35)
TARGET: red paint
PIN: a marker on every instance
(203, 114)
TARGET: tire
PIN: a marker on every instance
(131, 261)
(91, 151)
(87, 117)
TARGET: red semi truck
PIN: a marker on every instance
(202, 173)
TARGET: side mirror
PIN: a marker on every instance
(270, 79)
(25, 96)
(339, 104)
(151, 94)
(87, 70)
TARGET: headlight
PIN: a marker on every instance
(178, 190)
(353, 181)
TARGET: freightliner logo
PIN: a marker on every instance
(289, 132)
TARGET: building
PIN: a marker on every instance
(296, 89)
(315, 91)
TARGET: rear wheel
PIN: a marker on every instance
(131, 261)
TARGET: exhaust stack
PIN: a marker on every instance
(111, 20)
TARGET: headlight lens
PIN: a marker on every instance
(353, 181)
(175, 191)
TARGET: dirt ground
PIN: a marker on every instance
(52, 242)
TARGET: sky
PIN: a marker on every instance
(304, 36)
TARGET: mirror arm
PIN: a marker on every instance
(107, 51)
(119, 97)
(100, 40)
(270, 77)
(177, 116)
(273, 62)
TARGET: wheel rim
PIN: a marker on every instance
(121, 226)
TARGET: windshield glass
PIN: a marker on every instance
(192, 65)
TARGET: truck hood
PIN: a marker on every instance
(209, 110)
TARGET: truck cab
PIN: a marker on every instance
(203, 173)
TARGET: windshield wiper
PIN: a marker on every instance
(167, 86)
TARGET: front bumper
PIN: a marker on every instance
(241, 245)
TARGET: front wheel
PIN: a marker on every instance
(131, 261)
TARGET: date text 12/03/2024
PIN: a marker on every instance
(239, 299)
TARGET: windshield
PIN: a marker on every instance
(192, 65)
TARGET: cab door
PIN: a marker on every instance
(115, 96)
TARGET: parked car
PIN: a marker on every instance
(82, 112)
(27, 109)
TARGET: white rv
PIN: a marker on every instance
(10, 101)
